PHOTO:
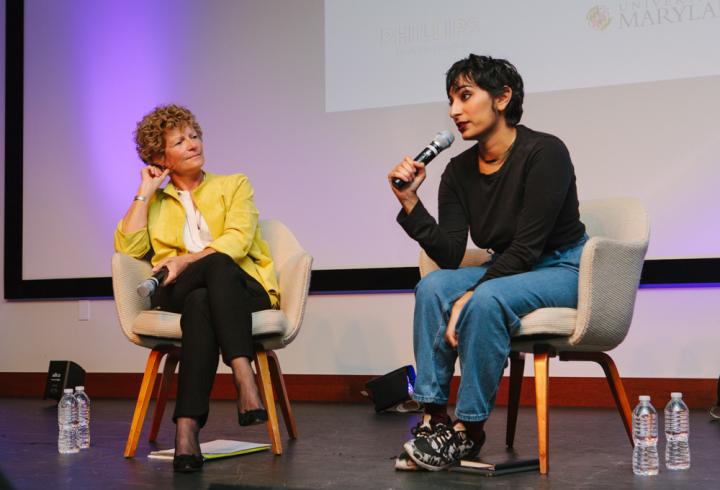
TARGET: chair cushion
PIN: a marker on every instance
(164, 324)
(553, 321)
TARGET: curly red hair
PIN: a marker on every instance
(150, 131)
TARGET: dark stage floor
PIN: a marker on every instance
(340, 446)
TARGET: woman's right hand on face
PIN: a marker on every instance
(151, 177)
(408, 171)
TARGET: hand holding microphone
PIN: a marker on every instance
(405, 173)
(150, 285)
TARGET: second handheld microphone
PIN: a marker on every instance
(149, 285)
(441, 141)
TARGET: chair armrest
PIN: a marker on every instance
(127, 273)
(294, 281)
(607, 286)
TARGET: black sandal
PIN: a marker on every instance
(252, 417)
(187, 463)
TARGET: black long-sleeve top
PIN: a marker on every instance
(527, 208)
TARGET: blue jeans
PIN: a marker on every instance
(484, 327)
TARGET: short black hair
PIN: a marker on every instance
(493, 75)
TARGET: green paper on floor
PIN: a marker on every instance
(219, 448)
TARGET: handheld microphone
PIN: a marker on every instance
(441, 141)
(149, 285)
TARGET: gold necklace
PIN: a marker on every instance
(503, 157)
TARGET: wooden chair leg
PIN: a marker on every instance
(614, 381)
(542, 361)
(171, 362)
(279, 384)
(517, 368)
(146, 389)
(266, 389)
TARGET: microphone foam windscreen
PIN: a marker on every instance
(444, 139)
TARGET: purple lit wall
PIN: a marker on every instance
(90, 69)
(254, 74)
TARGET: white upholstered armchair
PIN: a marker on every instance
(160, 331)
(610, 269)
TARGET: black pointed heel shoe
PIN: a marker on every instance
(187, 463)
(252, 417)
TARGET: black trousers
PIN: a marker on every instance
(216, 299)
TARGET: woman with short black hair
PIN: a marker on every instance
(514, 192)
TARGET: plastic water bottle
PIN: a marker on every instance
(67, 430)
(677, 430)
(645, 433)
(83, 427)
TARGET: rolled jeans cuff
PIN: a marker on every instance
(429, 399)
(464, 417)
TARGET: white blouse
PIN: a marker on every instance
(196, 233)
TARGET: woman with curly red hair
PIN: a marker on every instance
(204, 229)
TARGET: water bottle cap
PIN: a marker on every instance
(644, 398)
(675, 394)
(79, 388)
(68, 390)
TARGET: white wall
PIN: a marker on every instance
(674, 335)
(675, 332)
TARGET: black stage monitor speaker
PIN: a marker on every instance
(61, 375)
(392, 388)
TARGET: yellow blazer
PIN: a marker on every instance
(226, 203)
